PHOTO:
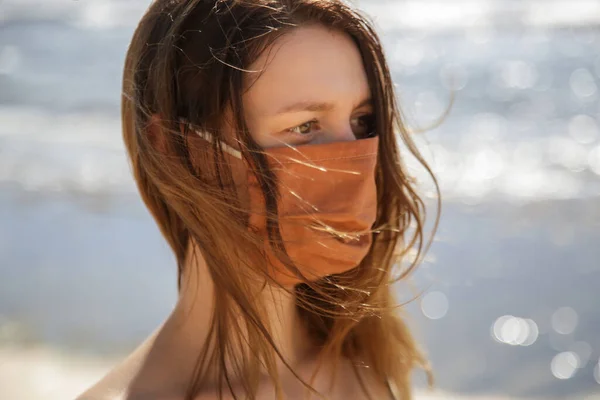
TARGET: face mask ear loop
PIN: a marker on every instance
(210, 139)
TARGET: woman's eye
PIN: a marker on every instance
(306, 128)
(363, 126)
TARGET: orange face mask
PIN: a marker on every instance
(326, 209)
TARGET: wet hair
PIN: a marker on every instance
(188, 60)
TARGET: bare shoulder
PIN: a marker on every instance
(117, 383)
(113, 386)
(123, 383)
(110, 387)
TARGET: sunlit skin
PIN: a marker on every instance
(310, 91)
(313, 89)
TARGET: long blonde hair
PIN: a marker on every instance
(188, 59)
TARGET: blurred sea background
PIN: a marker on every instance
(512, 281)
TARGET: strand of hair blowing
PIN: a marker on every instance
(187, 59)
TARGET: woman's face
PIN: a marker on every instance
(310, 87)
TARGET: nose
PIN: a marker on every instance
(343, 133)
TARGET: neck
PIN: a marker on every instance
(189, 324)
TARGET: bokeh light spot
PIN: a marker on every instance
(564, 320)
(582, 83)
(564, 365)
(434, 305)
(454, 77)
(518, 74)
(486, 127)
(99, 15)
(515, 331)
(408, 53)
(533, 333)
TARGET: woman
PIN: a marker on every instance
(262, 135)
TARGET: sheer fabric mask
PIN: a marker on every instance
(327, 204)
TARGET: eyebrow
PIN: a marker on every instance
(315, 106)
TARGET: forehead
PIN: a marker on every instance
(310, 63)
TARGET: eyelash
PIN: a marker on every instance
(312, 122)
(368, 118)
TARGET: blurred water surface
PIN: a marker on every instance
(512, 279)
